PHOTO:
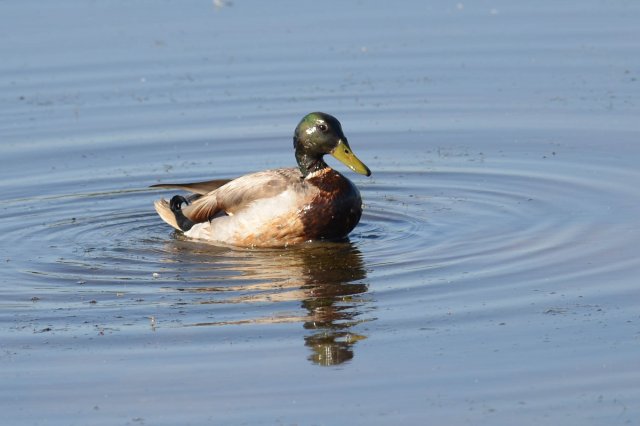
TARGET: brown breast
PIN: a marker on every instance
(335, 208)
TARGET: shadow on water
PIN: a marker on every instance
(325, 278)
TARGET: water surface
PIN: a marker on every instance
(494, 273)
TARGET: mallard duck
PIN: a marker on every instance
(278, 207)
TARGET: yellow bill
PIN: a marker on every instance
(342, 152)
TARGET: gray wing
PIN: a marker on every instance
(237, 194)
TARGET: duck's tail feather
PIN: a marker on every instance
(171, 212)
(163, 209)
(201, 188)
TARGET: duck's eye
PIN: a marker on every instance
(322, 127)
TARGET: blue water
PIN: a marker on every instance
(492, 279)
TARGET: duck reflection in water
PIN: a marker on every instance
(324, 277)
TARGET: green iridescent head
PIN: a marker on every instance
(318, 134)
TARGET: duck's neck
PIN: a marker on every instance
(309, 163)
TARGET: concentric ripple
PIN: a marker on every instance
(433, 222)
(106, 251)
(442, 224)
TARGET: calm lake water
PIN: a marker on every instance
(493, 278)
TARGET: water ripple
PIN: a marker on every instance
(495, 222)
(108, 250)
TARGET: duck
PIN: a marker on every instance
(278, 207)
